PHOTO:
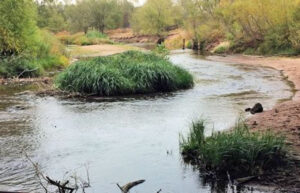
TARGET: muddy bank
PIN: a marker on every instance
(283, 118)
(290, 67)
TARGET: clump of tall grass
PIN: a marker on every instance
(239, 151)
(131, 72)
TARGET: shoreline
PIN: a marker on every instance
(283, 118)
(288, 66)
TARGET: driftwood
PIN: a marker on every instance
(127, 187)
(62, 188)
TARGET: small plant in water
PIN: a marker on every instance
(161, 50)
(239, 151)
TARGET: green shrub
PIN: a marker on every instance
(161, 50)
(91, 38)
(95, 34)
(221, 50)
(19, 66)
(239, 152)
(131, 72)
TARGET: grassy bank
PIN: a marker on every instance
(132, 72)
(239, 152)
(48, 54)
(90, 38)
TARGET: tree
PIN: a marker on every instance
(79, 16)
(127, 10)
(51, 15)
(18, 30)
(154, 17)
(105, 14)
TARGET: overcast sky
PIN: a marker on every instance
(138, 2)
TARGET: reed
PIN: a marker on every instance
(132, 72)
(239, 152)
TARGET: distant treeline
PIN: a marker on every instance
(253, 26)
(81, 15)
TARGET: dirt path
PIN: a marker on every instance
(284, 118)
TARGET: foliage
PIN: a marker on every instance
(239, 151)
(266, 26)
(49, 55)
(19, 66)
(18, 31)
(223, 47)
(131, 72)
(90, 38)
(161, 50)
(98, 14)
(51, 15)
(25, 49)
(155, 17)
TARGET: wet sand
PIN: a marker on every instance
(284, 118)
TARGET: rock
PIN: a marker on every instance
(248, 109)
(257, 108)
(276, 111)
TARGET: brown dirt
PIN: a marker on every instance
(173, 40)
(99, 50)
(128, 36)
(45, 80)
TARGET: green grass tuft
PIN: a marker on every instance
(239, 152)
(131, 72)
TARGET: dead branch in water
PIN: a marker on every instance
(127, 187)
(61, 186)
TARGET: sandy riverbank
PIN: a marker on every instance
(284, 118)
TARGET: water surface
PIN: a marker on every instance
(128, 138)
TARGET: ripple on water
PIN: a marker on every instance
(126, 138)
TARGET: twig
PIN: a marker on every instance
(27, 71)
(37, 171)
(63, 186)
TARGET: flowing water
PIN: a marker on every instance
(127, 138)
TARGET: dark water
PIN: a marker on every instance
(126, 139)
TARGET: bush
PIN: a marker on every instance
(19, 66)
(131, 72)
(240, 152)
(91, 38)
(161, 50)
(95, 34)
(220, 50)
(50, 54)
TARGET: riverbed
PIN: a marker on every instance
(123, 139)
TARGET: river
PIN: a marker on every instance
(123, 139)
